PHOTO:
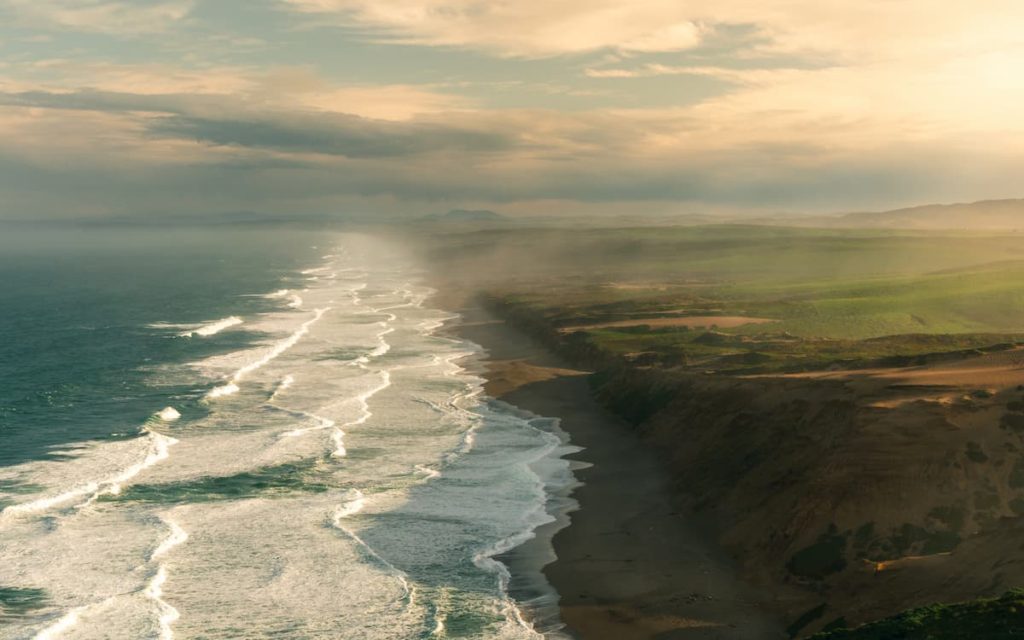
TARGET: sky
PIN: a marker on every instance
(582, 107)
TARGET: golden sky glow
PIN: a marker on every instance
(413, 106)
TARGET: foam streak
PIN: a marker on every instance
(159, 450)
(232, 385)
(213, 328)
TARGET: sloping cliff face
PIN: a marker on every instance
(869, 494)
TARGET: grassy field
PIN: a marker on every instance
(848, 297)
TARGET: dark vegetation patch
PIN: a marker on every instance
(914, 540)
(1012, 421)
(975, 453)
(952, 517)
(836, 625)
(1016, 480)
(825, 557)
(985, 501)
(940, 542)
(863, 536)
(805, 619)
(1017, 506)
(647, 396)
(988, 619)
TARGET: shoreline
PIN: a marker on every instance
(629, 563)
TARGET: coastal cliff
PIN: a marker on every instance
(861, 490)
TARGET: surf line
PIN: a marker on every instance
(326, 423)
(354, 502)
(212, 328)
(159, 450)
(167, 615)
(57, 629)
(232, 386)
(382, 348)
(338, 435)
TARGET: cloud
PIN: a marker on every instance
(117, 17)
(227, 122)
(834, 31)
(528, 29)
(651, 70)
(132, 152)
(283, 87)
(302, 87)
(778, 104)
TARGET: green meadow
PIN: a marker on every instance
(830, 296)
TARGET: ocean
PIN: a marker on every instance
(256, 433)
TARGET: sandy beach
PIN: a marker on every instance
(631, 564)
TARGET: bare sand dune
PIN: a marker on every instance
(996, 370)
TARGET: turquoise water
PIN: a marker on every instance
(77, 305)
(250, 434)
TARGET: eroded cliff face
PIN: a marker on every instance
(869, 494)
(865, 492)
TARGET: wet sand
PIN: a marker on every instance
(631, 564)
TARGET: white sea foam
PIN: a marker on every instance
(295, 300)
(212, 328)
(414, 464)
(321, 424)
(484, 559)
(167, 615)
(428, 472)
(168, 414)
(338, 438)
(282, 386)
(383, 347)
(45, 504)
(355, 502)
(362, 399)
(158, 450)
(62, 626)
(231, 387)
(224, 390)
(176, 537)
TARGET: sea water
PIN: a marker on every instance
(255, 434)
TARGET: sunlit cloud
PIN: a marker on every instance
(104, 16)
(531, 106)
(518, 28)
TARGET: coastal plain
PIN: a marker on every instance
(838, 413)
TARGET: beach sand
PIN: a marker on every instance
(632, 564)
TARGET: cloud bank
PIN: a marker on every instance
(409, 106)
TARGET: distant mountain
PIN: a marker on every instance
(467, 215)
(989, 215)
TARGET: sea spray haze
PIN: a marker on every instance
(254, 433)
